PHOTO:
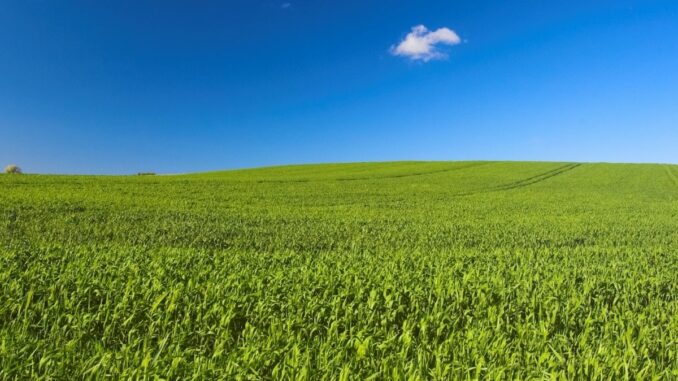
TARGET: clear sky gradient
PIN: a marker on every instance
(182, 86)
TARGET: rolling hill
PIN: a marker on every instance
(402, 270)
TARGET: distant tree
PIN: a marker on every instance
(13, 169)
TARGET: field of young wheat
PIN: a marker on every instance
(402, 271)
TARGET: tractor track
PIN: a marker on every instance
(525, 182)
(671, 175)
(342, 179)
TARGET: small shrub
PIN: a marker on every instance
(13, 169)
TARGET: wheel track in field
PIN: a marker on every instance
(672, 176)
(525, 182)
(413, 174)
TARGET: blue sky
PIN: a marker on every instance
(179, 86)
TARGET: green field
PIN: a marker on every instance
(403, 271)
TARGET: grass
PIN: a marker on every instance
(404, 271)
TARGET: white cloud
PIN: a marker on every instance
(422, 44)
(286, 5)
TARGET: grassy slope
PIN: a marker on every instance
(423, 269)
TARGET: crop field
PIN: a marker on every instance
(381, 271)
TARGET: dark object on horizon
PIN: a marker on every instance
(146, 174)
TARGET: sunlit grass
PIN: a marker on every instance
(353, 271)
